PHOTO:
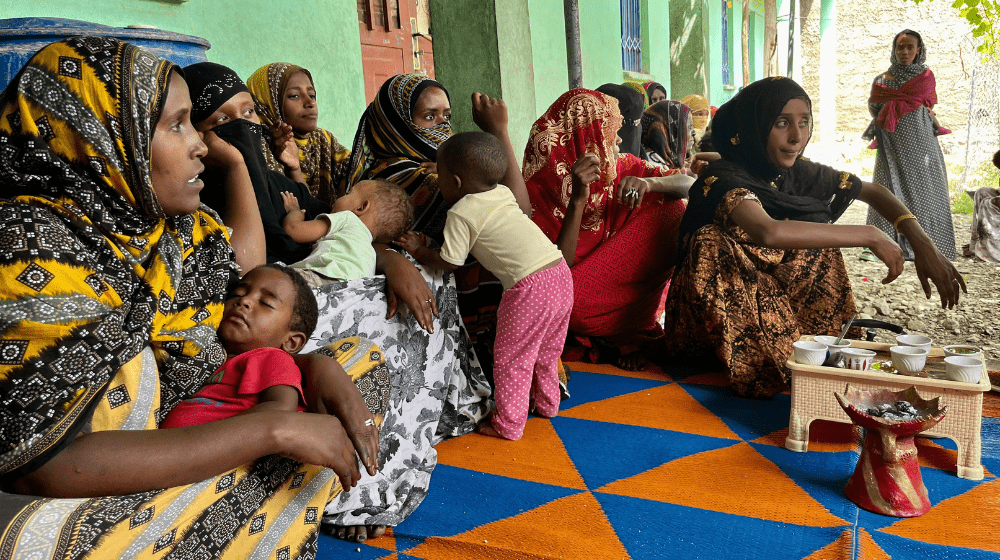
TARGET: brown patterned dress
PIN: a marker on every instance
(748, 303)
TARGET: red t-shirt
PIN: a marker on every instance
(235, 387)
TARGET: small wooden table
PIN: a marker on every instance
(812, 399)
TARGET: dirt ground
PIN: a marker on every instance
(976, 320)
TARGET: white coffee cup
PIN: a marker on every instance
(809, 352)
(908, 360)
(831, 343)
(918, 340)
(858, 358)
(964, 369)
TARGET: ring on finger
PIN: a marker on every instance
(429, 300)
(369, 422)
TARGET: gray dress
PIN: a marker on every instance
(910, 164)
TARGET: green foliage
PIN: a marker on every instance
(983, 15)
(983, 175)
(962, 204)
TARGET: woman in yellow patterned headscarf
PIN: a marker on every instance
(112, 282)
(322, 160)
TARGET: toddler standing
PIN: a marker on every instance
(533, 316)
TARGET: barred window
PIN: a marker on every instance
(631, 36)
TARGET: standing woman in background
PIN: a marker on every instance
(909, 161)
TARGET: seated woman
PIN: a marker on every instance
(223, 109)
(655, 92)
(985, 242)
(630, 105)
(759, 259)
(667, 134)
(397, 140)
(104, 225)
(618, 240)
(286, 104)
(701, 112)
(439, 389)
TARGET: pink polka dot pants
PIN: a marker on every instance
(532, 321)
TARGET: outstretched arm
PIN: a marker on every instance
(143, 460)
(491, 116)
(416, 245)
(789, 234)
(297, 226)
(930, 264)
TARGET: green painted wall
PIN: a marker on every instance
(322, 35)
(548, 53)
(517, 70)
(656, 35)
(600, 42)
(466, 62)
(495, 60)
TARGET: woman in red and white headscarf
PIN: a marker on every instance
(614, 216)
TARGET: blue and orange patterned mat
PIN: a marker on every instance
(674, 465)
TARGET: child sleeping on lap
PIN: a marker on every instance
(268, 316)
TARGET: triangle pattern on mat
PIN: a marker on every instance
(656, 530)
(459, 500)
(749, 418)
(570, 527)
(668, 407)
(736, 480)
(624, 450)
(587, 387)
(539, 456)
(652, 372)
(949, 523)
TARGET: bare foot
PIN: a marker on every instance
(358, 533)
(632, 361)
(486, 428)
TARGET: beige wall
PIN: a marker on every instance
(866, 29)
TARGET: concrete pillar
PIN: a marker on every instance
(828, 71)
(485, 46)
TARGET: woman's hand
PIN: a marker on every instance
(404, 282)
(283, 139)
(932, 266)
(888, 252)
(631, 190)
(318, 439)
(221, 154)
(490, 115)
(329, 390)
(586, 170)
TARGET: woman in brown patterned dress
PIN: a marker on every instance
(759, 259)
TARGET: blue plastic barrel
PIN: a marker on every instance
(21, 38)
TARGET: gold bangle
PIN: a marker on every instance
(895, 224)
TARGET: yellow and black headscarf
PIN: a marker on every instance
(388, 145)
(91, 269)
(323, 160)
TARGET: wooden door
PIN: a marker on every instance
(389, 43)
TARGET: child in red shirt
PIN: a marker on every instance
(268, 316)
